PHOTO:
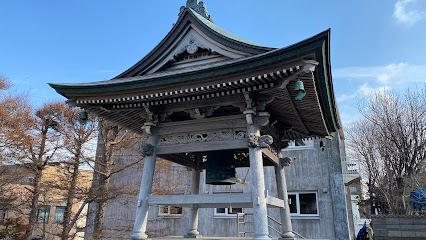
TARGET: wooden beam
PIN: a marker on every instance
(274, 202)
(199, 103)
(271, 156)
(202, 146)
(179, 160)
(206, 124)
(236, 200)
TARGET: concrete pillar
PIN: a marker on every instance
(286, 229)
(139, 229)
(193, 232)
(258, 188)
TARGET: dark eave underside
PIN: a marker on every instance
(228, 68)
(302, 118)
(315, 116)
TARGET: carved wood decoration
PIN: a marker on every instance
(146, 149)
(259, 141)
(208, 136)
(286, 161)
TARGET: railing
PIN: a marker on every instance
(348, 168)
(278, 231)
(295, 233)
(242, 231)
(352, 171)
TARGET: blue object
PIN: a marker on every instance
(418, 198)
(362, 234)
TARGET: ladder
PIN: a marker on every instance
(241, 224)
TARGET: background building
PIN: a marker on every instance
(50, 213)
(315, 189)
(203, 89)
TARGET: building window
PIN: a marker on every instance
(43, 214)
(227, 212)
(59, 214)
(2, 214)
(170, 211)
(303, 204)
(28, 180)
(300, 144)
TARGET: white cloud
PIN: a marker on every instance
(390, 72)
(351, 114)
(359, 82)
(366, 90)
(395, 74)
(406, 15)
(345, 97)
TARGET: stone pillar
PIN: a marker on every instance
(150, 152)
(261, 230)
(193, 232)
(286, 229)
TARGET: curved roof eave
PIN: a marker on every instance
(217, 33)
(327, 92)
(318, 44)
(309, 45)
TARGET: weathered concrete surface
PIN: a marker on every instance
(320, 171)
(309, 173)
(211, 238)
(337, 190)
(393, 227)
(204, 238)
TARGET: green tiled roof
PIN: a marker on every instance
(221, 31)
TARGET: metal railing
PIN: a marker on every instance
(242, 230)
(349, 168)
(278, 231)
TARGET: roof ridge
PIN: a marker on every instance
(198, 7)
(222, 31)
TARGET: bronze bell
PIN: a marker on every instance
(299, 88)
(220, 168)
(84, 117)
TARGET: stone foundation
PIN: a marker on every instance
(212, 238)
(394, 227)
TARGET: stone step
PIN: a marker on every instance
(203, 238)
(212, 238)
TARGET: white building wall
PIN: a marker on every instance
(308, 173)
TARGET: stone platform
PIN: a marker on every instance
(203, 238)
(211, 238)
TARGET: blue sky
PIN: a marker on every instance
(375, 45)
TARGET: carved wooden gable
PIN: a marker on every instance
(195, 48)
(193, 41)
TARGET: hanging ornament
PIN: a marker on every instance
(83, 117)
(299, 89)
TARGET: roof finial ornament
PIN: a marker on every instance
(198, 7)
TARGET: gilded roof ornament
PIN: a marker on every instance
(198, 7)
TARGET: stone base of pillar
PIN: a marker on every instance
(261, 238)
(193, 236)
(287, 236)
(139, 236)
(216, 238)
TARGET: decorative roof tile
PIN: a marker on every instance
(198, 7)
